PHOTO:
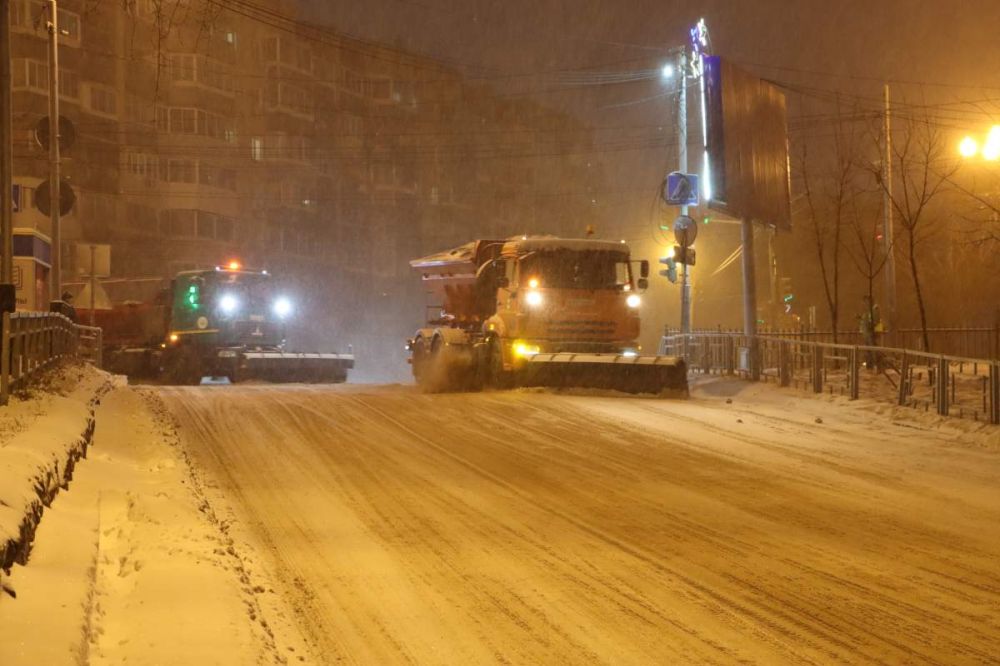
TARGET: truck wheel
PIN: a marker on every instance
(496, 376)
(420, 359)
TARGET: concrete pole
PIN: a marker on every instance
(772, 274)
(749, 279)
(6, 150)
(55, 279)
(682, 166)
(93, 282)
(889, 297)
(750, 298)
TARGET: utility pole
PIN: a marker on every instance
(682, 166)
(749, 279)
(887, 230)
(93, 281)
(55, 279)
(750, 297)
(6, 151)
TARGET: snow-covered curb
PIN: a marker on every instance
(42, 436)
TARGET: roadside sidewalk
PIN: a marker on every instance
(131, 564)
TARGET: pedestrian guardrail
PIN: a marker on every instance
(32, 341)
(970, 342)
(953, 385)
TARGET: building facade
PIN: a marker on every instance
(329, 161)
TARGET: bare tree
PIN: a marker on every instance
(827, 204)
(868, 253)
(917, 153)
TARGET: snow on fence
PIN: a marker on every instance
(953, 385)
(31, 341)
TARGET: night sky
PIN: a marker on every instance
(939, 56)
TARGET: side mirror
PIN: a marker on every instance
(503, 282)
(644, 268)
(642, 284)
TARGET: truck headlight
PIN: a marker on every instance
(228, 303)
(533, 298)
(282, 307)
(633, 300)
(524, 350)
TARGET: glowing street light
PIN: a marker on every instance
(990, 149)
(968, 147)
(668, 71)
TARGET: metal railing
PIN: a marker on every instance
(32, 341)
(953, 385)
(970, 342)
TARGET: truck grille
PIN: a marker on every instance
(575, 327)
(253, 333)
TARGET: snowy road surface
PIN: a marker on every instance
(530, 527)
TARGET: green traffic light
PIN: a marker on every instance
(192, 297)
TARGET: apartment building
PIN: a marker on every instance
(204, 134)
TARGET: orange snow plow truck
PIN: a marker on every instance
(537, 311)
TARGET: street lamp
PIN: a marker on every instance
(969, 146)
(668, 71)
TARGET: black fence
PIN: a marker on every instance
(951, 385)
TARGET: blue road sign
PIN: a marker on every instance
(681, 189)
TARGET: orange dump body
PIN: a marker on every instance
(450, 280)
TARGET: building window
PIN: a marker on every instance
(206, 225)
(178, 223)
(223, 229)
(139, 110)
(214, 176)
(288, 97)
(141, 164)
(178, 120)
(69, 84)
(102, 100)
(208, 72)
(256, 149)
(69, 26)
(30, 75)
(181, 171)
(181, 67)
(201, 224)
(183, 121)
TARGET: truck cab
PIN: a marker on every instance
(564, 295)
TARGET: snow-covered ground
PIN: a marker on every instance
(43, 432)
(364, 524)
(132, 565)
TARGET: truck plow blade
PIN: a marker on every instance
(295, 367)
(631, 374)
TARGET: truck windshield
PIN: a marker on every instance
(254, 291)
(573, 269)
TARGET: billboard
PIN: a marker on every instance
(746, 145)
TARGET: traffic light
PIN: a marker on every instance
(787, 295)
(684, 255)
(193, 297)
(670, 272)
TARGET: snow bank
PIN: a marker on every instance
(43, 433)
